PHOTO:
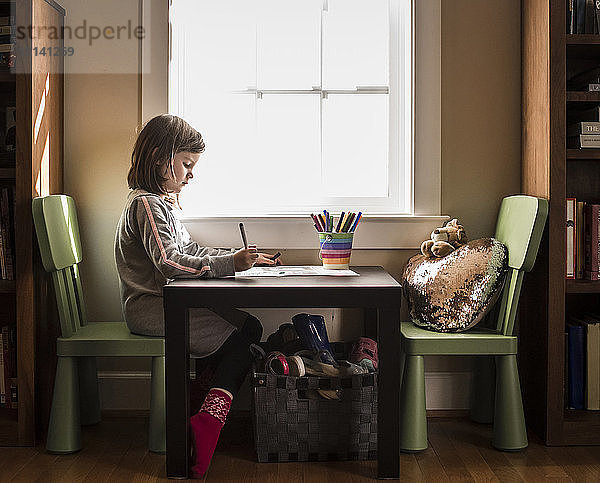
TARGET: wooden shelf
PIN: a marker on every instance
(583, 46)
(576, 96)
(581, 427)
(583, 154)
(583, 39)
(583, 286)
(547, 299)
(582, 415)
(29, 308)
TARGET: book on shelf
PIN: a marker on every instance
(592, 367)
(571, 243)
(590, 235)
(590, 16)
(4, 21)
(7, 232)
(7, 47)
(593, 87)
(571, 19)
(7, 61)
(7, 229)
(579, 240)
(583, 141)
(576, 364)
(580, 16)
(2, 378)
(8, 374)
(10, 128)
(586, 127)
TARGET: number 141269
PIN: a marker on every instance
(53, 51)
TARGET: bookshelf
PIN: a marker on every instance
(35, 87)
(552, 171)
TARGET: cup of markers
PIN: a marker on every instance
(335, 239)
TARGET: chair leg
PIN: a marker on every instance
(413, 420)
(402, 362)
(510, 433)
(89, 395)
(64, 428)
(157, 439)
(483, 389)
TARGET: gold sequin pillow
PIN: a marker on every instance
(453, 293)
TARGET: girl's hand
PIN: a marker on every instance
(245, 258)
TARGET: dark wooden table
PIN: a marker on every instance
(374, 290)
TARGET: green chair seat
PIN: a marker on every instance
(495, 388)
(416, 340)
(109, 339)
(76, 397)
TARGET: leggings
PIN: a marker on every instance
(233, 359)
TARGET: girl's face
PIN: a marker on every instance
(183, 165)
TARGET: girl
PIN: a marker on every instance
(152, 245)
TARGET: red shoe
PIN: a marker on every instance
(364, 353)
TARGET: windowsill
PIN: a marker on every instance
(386, 231)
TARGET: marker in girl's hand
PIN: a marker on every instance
(243, 233)
(276, 256)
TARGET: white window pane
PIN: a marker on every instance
(355, 145)
(288, 49)
(220, 43)
(225, 172)
(288, 158)
(355, 43)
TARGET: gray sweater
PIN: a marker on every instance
(152, 246)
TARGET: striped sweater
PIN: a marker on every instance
(152, 246)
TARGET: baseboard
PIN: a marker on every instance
(447, 413)
(244, 413)
(129, 392)
(125, 413)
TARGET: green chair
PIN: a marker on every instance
(76, 398)
(519, 226)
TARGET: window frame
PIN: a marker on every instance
(378, 230)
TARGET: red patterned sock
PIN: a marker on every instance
(206, 427)
(199, 387)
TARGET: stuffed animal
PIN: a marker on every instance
(444, 240)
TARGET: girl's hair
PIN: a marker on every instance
(159, 141)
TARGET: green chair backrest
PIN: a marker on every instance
(57, 229)
(519, 227)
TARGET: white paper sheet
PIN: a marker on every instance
(293, 271)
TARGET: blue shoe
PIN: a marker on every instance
(313, 334)
(284, 340)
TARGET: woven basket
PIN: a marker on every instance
(290, 427)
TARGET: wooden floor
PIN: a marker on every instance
(115, 451)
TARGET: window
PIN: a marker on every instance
(303, 104)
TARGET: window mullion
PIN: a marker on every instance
(324, 10)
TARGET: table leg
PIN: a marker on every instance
(388, 410)
(177, 373)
